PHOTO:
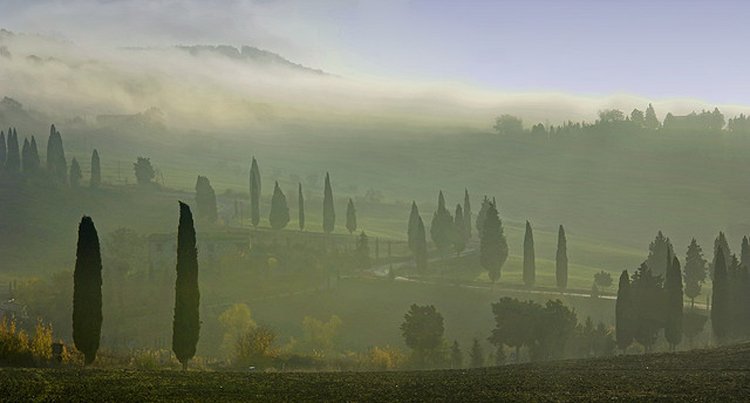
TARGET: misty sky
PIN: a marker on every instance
(656, 49)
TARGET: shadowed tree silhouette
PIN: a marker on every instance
(186, 325)
(87, 291)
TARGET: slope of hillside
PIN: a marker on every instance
(704, 375)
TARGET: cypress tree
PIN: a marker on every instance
(34, 154)
(467, 214)
(329, 215)
(255, 193)
(561, 260)
(87, 291)
(459, 230)
(477, 355)
(96, 170)
(493, 247)
(529, 264)
(57, 165)
(482, 216)
(412, 228)
(75, 174)
(673, 289)
(695, 271)
(624, 313)
(441, 228)
(720, 298)
(745, 252)
(720, 243)
(650, 120)
(26, 159)
(205, 199)
(3, 149)
(13, 162)
(659, 249)
(301, 208)
(420, 245)
(279, 216)
(186, 325)
(351, 217)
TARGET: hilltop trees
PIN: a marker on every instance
(205, 199)
(695, 271)
(351, 217)
(529, 265)
(279, 216)
(329, 214)
(186, 326)
(493, 247)
(624, 313)
(442, 227)
(422, 330)
(57, 166)
(255, 193)
(650, 121)
(144, 171)
(674, 295)
(3, 149)
(75, 174)
(96, 170)
(561, 260)
(87, 291)
(13, 161)
(300, 208)
(720, 298)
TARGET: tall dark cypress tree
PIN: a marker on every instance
(459, 230)
(529, 263)
(412, 228)
(493, 247)
(26, 159)
(420, 245)
(75, 174)
(3, 149)
(34, 154)
(279, 216)
(13, 162)
(720, 298)
(96, 170)
(87, 291)
(186, 325)
(351, 217)
(561, 260)
(482, 216)
(255, 193)
(467, 214)
(674, 311)
(57, 165)
(205, 198)
(329, 214)
(300, 208)
(695, 271)
(442, 228)
(624, 313)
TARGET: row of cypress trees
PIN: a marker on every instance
(87, 291)
(15, 159)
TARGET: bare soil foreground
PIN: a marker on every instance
(703, 375)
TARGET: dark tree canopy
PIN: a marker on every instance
(467, 214)
(720, 298)
(423, 329)
(255, 193)
(351, 217)
(420, 245)
(412, 226)
(144, 171)
(87, 291)
(186, 325)
(459, 231)
(695, 271)
(493, 247)
(329, 214)
(529, 264)
(35, 164)
(561, 260)
(482, 216)
(96, 170)
(279, 216)
(674, 295)
(647, 294)
(57, 165)
(13, 161)
(624, 313)
(205, 199)
(3, 149)
(659, 254)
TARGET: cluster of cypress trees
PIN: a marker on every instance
(87, 291)
(730, 296)
(16, 159)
